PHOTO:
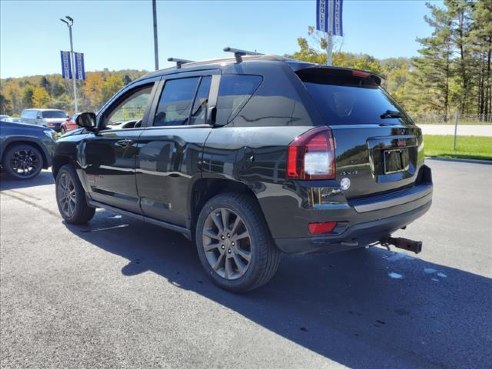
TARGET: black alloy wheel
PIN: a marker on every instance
(23, 161)
(70, 197)
(234, 243)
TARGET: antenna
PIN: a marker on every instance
(179, 62)
(238, 53)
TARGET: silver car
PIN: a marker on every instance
(51, 118)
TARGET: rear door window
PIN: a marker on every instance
(176, 101)
(234, 93)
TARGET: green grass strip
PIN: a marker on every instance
(467, 147)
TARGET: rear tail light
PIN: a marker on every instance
(312, 155)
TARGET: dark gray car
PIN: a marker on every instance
(25, 149)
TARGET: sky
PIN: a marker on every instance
(118, 34)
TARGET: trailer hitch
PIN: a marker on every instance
(402, 243)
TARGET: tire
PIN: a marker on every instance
(70, 197)
(22, 161)
(241, 256)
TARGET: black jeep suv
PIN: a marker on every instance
(250, 156)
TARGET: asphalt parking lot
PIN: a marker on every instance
(123, 294)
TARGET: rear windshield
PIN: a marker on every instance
(54, 114)
(348, 102)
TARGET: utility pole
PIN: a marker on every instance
(329, 49)
(329, 35)
(69, 22)
(156, 48)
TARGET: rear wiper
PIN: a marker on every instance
(391, 114)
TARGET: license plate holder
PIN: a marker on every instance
(395, 161)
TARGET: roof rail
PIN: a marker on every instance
(179, 62)
(238, 53)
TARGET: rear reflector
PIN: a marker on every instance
(318, 228)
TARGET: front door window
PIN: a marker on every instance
(130, 111)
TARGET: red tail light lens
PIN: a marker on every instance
(312, 155)
(326, 227)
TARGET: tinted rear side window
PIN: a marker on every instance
(346, 101)
(175, 102)
(234, 93)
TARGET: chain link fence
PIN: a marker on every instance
(465, 119)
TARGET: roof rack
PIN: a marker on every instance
(179, 62)
(238, 53)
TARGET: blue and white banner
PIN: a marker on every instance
(66, 64)
(337, 17)
(79, 66)
(329, 15)
(322, 15)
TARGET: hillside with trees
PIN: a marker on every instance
(52, 91)
(452, 75)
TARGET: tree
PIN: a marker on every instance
(434, 69)
(5, 105)
(112, 84)
(481, 40)
(45, 83)
(340, 59)
(126, 79)
(93, 90)
(27, 96)
(40, 98)
(459, 12)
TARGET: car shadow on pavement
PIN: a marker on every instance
(369, 308)
(8, 183)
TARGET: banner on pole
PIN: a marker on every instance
(322, 15)
(329, 15)
(66, 64)
(337, 17)
(79, 66)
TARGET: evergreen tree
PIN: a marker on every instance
(434, 69)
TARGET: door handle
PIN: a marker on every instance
(123, 143)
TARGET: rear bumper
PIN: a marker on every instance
(356, 236)
(359, 222)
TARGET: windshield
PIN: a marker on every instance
(54, 114)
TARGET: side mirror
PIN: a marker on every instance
(86, 120)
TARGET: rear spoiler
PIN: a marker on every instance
(336, 75)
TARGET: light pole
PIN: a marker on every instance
(69, 22)
(156, 49)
